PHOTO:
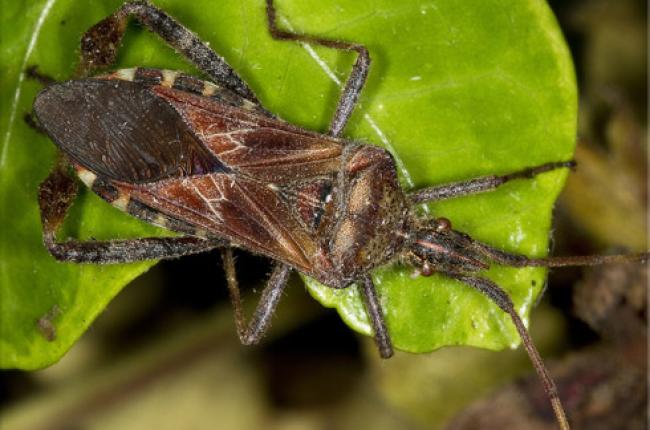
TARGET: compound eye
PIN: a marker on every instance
(442, 224)
(426, 270)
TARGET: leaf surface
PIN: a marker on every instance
(456, 90)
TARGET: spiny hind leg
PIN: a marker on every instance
(55, 197)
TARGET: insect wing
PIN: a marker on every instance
(275, 192)
(245, 211)
(234, 172)
(121, 131)
(253, 144)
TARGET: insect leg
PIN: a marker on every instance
(32, 122)
(373, 307)
(33, 73)
(252, 332)
(479, 185)
(100, 43)
(355, 81)
(56, 195)
(501, 299)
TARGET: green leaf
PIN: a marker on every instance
(456, 90)
(460, 90)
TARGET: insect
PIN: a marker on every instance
(206, 160)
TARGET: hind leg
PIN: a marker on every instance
(55, 197)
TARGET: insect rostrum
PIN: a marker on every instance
(207, 161)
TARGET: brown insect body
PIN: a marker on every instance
(327, 207)
(209, 162)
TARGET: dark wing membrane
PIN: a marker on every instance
(253, 144)
(244, 211)
(310, 202)
(122, 130)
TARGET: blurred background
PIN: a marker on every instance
(165, 354)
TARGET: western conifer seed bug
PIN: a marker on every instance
(205, 160)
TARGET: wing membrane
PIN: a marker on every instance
(254, 144)
(242, 210)
(253, 179)
(122, 131)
